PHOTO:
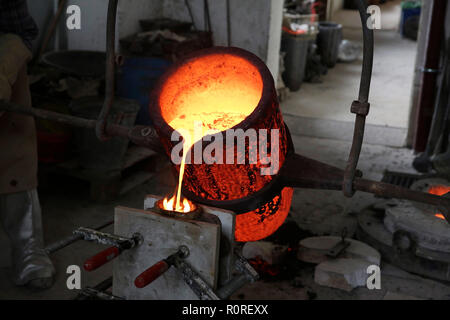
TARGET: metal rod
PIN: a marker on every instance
(248, 275)
(71, 239)
(368, 41)
(232, 286)
(48, 115)
(110, 239)
(393, 191)
(98, 291)
(186, 2)
(51, 29)
(100, 128)
(363, 97)
(140, 135)
(194, 281)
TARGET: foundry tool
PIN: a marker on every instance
(158, 269)
(297, 171)
(190, 276)
(209, 266)
(193, 279)
(247, 275)
(118, 245)
(98, 292)
(72, 239)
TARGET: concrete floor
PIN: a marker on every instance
(66, 206)
(392, 80)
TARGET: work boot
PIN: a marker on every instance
(20, 214)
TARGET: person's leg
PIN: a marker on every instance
(20, 214)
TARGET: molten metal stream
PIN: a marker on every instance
(208, 123)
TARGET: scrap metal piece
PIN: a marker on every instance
(340, 247)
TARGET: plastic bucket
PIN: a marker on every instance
(136, 79)
(296, 53)
(328, 41)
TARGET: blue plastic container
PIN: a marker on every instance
(135, 80)
(406, 14)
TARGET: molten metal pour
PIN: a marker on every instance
(230, 92)
(193, 127)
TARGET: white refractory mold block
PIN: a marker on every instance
(163, 235)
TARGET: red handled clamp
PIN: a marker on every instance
(159, 268)
(119, 244)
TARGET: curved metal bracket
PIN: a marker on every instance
(100, 128)
(361, 106)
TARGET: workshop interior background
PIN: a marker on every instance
(314, 51)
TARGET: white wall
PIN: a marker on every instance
(41, 12)
(131, 11)
(337, 5)
(92, 35)
(255, 24)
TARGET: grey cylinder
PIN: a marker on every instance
(94, 154)
(328, 41)
(296, 52)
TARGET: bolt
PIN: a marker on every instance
(146, 131)
(184, 251)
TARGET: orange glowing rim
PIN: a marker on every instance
(195, 211)
(264, 103)
(439, 190)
